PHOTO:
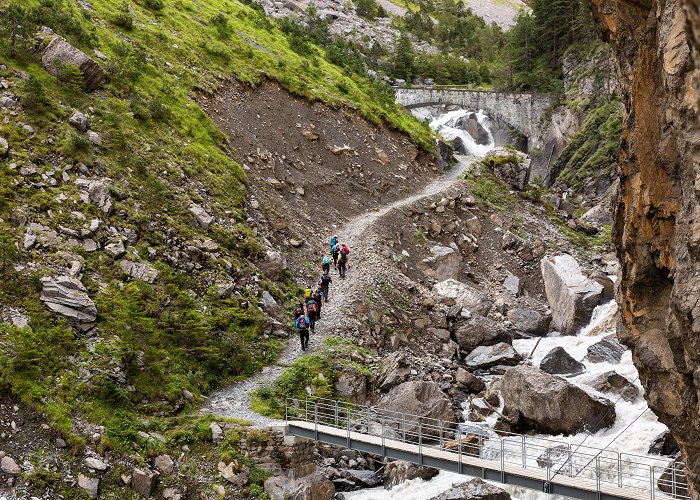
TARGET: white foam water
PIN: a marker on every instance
(446, 125)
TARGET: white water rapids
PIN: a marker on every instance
(634, 440)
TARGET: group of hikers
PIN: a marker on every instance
(308, 310)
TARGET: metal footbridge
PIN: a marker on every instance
(540, 464)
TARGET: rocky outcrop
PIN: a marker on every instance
(560, 362)
(480, 332)
(399, 472)
(613, 383)
(657, 208)
(551, 404)
(489, 356)
(422, 399)
(67, 296)
(571, 295)
(443, 263)
(469, 298)
(512, 167)
(312, 487)
(59, 54)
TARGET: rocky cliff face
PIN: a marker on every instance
(657, 220)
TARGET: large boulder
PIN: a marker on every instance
(613, 383)
(59, 54)
(606, 350)
(99, 194)
(559, 362)
(673, 479)
(442, 263)
(274, 265)
(471, 125)
(479, 331)
(551, 404)
(315, 486)
(138, 270)
(469, 298)
(476, 489)
(484, 357)
(351, 385)
(468, 381)
(512, 167)
(571, 295)
(67, 296)
(664, 444)
(528, 320)
(399, 472)
(393, 370)
(424, 401)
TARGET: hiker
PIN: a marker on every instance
(312, 313)
(335, 251)
(302, 324)
(308, 293)
(318, 298)
(298, 310)
(334, 241)
(325, 282)
(326, 264)
(343, 260)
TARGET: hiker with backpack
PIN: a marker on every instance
(326, 264)
(298, 310)
(325, 282)
(318, 298)
(308, 293)
(335, 252)
(302, 324)
(312, 313)
(343, 253)
(334, 241)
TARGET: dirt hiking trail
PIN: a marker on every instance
(234, 400)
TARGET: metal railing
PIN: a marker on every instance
(636, 476)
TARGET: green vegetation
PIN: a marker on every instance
(317, 371)
(592, 152)
(487, 187)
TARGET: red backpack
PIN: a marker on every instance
(311, 306)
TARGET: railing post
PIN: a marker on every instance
(369, 414)
(336, 413)
(570, 459)
(403, 426)
(440, 430)
(420, 442)
(523, 452)
(651, 481)
(459, 454)
(597, 475)
(383, 444)
(673, 478)
(619, 470)
(306, 410)
(347, 415)
(503, 463)
(316, 420)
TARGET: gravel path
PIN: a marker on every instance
(234, 401)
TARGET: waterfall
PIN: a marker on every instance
(449, 125)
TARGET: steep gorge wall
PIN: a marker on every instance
(657, 219)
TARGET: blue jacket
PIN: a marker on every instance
(326, 259)
(334, 240)
(298, 321)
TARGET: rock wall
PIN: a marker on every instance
(657, 214)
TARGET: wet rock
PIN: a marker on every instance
(607, 284)
(613, 383)
(399, 472)
(79, 121)
(469, 381)
(664, 444)
(443, 263)
(673, 479)
(528, 320)
(100, 196)
(571, 295)
(484, 357)
(144, 481)
(315, 486)
(68, 297)
(607, 350)
(469, 298)
(90, 485)
(139, 270)
(362, 478)
(476, 130)
(556, 455)
(476, 489)
(201, 216)
(60, 53)
(479, 331)
(351, 385)
(423, 399)
(559, 362)
(569, 409)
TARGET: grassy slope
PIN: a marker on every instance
(162, 153)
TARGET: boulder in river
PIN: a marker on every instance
(476, 489)
(484, 357)
(613, 383)
(424, 400)
(607, 350)
(553, 405)
(664, 444)
(528, 320)
(559, 362)
(470, 124)
(400, 471)
(315, 486)
(479, 331)
(571, 295)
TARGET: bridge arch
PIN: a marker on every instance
(523, 111)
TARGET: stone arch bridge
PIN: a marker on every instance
(525, 112)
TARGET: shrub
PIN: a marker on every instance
(34, 97)
(220, 22)
(155, 5)
(124, 17)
